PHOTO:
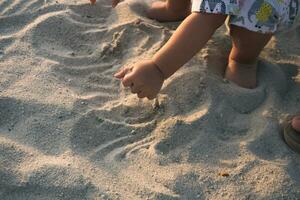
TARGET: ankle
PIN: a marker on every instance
(244, 75)
(252, 65)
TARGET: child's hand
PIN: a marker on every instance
(144, 79)
(114, 3)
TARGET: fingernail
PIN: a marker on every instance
(116, 76)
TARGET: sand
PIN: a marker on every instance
(69, 130)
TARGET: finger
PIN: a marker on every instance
(128, 81)
(93, 1)
(114, 3)
(122, 72)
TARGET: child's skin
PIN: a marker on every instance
(188, 39)
(170, 10)
(296, 123)
(146, 78)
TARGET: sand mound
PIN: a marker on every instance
(69, 130)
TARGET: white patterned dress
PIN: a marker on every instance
(265, 16)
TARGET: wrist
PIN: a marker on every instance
(158, 68)
(166, 64)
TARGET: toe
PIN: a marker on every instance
(296, 123)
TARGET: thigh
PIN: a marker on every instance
(247, 45)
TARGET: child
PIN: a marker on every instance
(252, 24)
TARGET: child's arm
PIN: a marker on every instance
(146, 78)
(188, 39)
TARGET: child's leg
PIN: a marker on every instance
(170, 10)
(242, 63)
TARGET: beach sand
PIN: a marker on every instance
(69, 130)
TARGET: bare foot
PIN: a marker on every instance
(166, 12)
(243, 75)
(296, 123)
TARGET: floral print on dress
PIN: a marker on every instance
(265, 16)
